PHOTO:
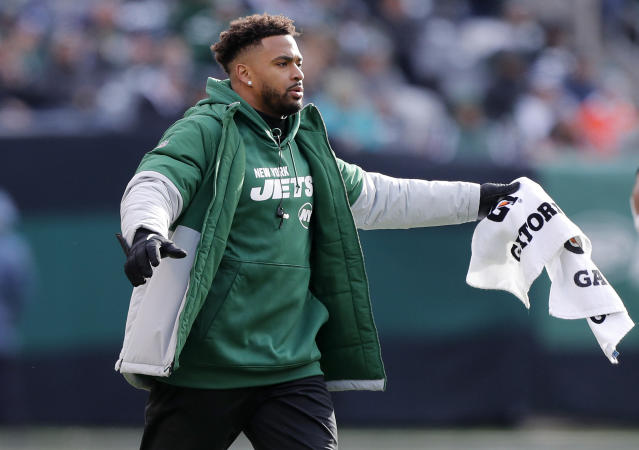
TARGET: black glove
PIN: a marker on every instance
(491, 193)
(147, 250)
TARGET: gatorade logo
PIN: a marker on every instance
(573, 246)
(582, 278)
(304, 214)
(598, 319)
(498, 214)
(534, 222)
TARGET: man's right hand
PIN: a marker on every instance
(146, 252)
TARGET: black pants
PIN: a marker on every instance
(293, 415)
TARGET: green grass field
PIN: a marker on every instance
(534, 436)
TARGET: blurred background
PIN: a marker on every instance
(454, 90)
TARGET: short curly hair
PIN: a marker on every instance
(249, 31)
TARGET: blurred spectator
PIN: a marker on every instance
(402, 20)
(459, 80)
(605, 116)
(15, 116)
(348, 112)
(472, 139)
(506, 86)
(581, 82)
(16, 274)
(540, 111)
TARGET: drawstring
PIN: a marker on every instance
(280, 213)
(297, 180)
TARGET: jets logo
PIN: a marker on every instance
(277, 188)
(498, 214)
(304, 214)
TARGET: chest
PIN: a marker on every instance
(272, 221)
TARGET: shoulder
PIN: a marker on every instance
(200, 124)
(311, 119)
(204, 118)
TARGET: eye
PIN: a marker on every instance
(281, 64)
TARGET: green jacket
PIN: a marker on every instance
(162, 312)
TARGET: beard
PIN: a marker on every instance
(281, 104)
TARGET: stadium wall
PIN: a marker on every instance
(454, 355)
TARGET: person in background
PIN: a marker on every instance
(16, 274)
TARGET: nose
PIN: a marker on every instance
(298, 75)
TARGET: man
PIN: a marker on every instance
(263, 304)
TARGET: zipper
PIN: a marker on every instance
(279, 212)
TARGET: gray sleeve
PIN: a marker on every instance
(387, 202)
(151, 201)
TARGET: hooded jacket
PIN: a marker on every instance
(189, 187)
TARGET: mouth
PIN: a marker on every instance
(296, 91)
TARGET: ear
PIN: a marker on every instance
(243, 74)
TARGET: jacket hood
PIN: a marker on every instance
(220, 92)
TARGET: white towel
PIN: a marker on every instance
(527, 232)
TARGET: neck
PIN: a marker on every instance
(273, 122)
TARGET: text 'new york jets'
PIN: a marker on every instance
(279, 184)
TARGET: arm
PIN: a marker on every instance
(166, 180)
(379, 201)
(150, 201)
(168, 177)
(387, 202)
